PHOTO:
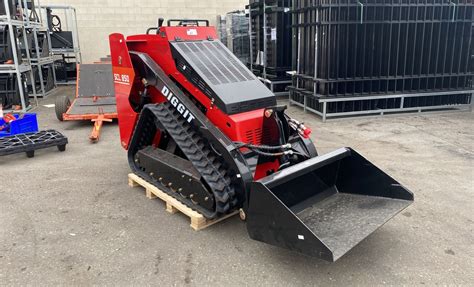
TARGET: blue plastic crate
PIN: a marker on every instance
(28, 123)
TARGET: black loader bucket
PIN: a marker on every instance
(324, 206)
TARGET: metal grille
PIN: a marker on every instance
(192, 76)
(215, 63)
(211, 67)
(254, 136)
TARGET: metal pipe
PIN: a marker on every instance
(250, 39)
(264, 41)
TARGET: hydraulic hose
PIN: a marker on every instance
(263, 147)
(259, 149)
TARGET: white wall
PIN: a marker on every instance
(98, 18)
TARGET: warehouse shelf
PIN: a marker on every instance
(64, 55)
(21, 65)
(270, 43)
(8, 69)
(44, 63)
(43, 60)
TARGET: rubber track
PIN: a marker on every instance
(204, 159)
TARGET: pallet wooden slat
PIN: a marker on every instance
(198, 221)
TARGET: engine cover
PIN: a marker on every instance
(221, 76)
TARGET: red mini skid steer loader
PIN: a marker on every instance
(201, 127)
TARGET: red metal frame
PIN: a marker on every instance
(97, 119)
(122, 66)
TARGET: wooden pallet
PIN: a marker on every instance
(198, 221)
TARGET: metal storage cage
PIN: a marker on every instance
(40, 51)
(6, 50)
(9, 91)
(61, 21)
(38, 45)
(271, 45)
(237, 30)
(221, 28)
(45, 80)
(379, 56)
(65, 69)
(43, 61)
(16, 18)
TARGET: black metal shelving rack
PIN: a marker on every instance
(237, 37)
(65, 44)
(270, 43)
(381, 56)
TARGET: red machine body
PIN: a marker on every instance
(242, 127)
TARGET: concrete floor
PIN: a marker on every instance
(70, 218)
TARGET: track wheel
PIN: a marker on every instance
(61, 104)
